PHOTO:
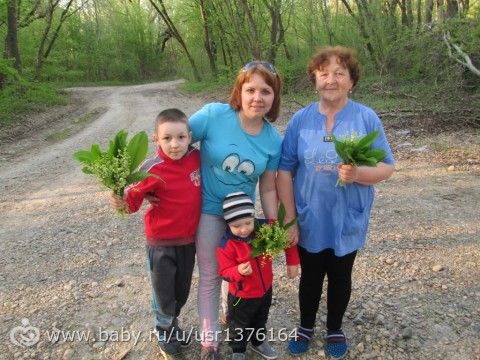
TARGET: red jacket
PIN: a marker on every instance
(234, 250)
(176, 183)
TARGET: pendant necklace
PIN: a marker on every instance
(329, 136)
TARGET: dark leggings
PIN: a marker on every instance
(339, 273)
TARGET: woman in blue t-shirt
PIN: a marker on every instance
(332, 220)
(239, 148)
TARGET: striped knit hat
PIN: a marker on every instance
(237, 206)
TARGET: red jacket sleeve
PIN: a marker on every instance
(135, 194)
(291, 255)
(227, 266)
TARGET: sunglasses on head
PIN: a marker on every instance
(255, 63)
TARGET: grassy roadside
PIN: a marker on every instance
(21, 99)
(17, 100)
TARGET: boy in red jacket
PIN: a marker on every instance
(171, 223)
(250, 279)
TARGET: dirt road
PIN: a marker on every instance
(70, 268)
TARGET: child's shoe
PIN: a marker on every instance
(168, 344)
(300, 344)
(182, 336)
(265, 350)
(238, 356)
(336, 344)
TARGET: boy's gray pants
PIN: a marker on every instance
(170, 269)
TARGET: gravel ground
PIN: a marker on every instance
(70, 266)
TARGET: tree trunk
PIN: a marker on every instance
(274, 8)
(11, 41)
(255, 41)
(171, 26)
(324, 8)
(403, 10)
(208, 41)
(363, 33)
(42, 54)
(409, 13)
(43, 40)
(419, 16)
(440, 11)
(452, 8)
(429, 11)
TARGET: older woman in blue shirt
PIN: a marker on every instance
(332, 220)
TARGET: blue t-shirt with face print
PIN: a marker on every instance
(231, 159)
(329, 216)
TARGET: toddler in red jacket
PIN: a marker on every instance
(170, 223)
(250, 279)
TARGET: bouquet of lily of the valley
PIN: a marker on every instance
(116, 168)
(356, 151)
(272, 239)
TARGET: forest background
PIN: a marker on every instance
(416, 55)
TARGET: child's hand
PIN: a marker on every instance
(293, 271)
(293, 234)
(152, 199)
(117, 202)
(245, 268)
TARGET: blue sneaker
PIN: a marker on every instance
(336, 344)
(300, 344)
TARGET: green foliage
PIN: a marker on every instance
(355, 150)
(272, 239)
(9, 73)
(115, 167)
(27, 97)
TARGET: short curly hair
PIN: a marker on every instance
(272, 80)
(345, 55)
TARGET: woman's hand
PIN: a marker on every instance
(245, 268)
(347, 173)
(117, 202)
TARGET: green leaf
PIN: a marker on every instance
(95, 151)
(87, 170)
(367, 140)
(84, 156)
(281, 214)
(118, 144)
(378, 154)
(121, 140)
(290, 224)
(137, 149)
(255, 252)
(136, 177)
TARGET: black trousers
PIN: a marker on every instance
(339, 273)
(171, 269)
(248, 320)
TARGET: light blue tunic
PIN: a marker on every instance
(231, 159)
(329, 216)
